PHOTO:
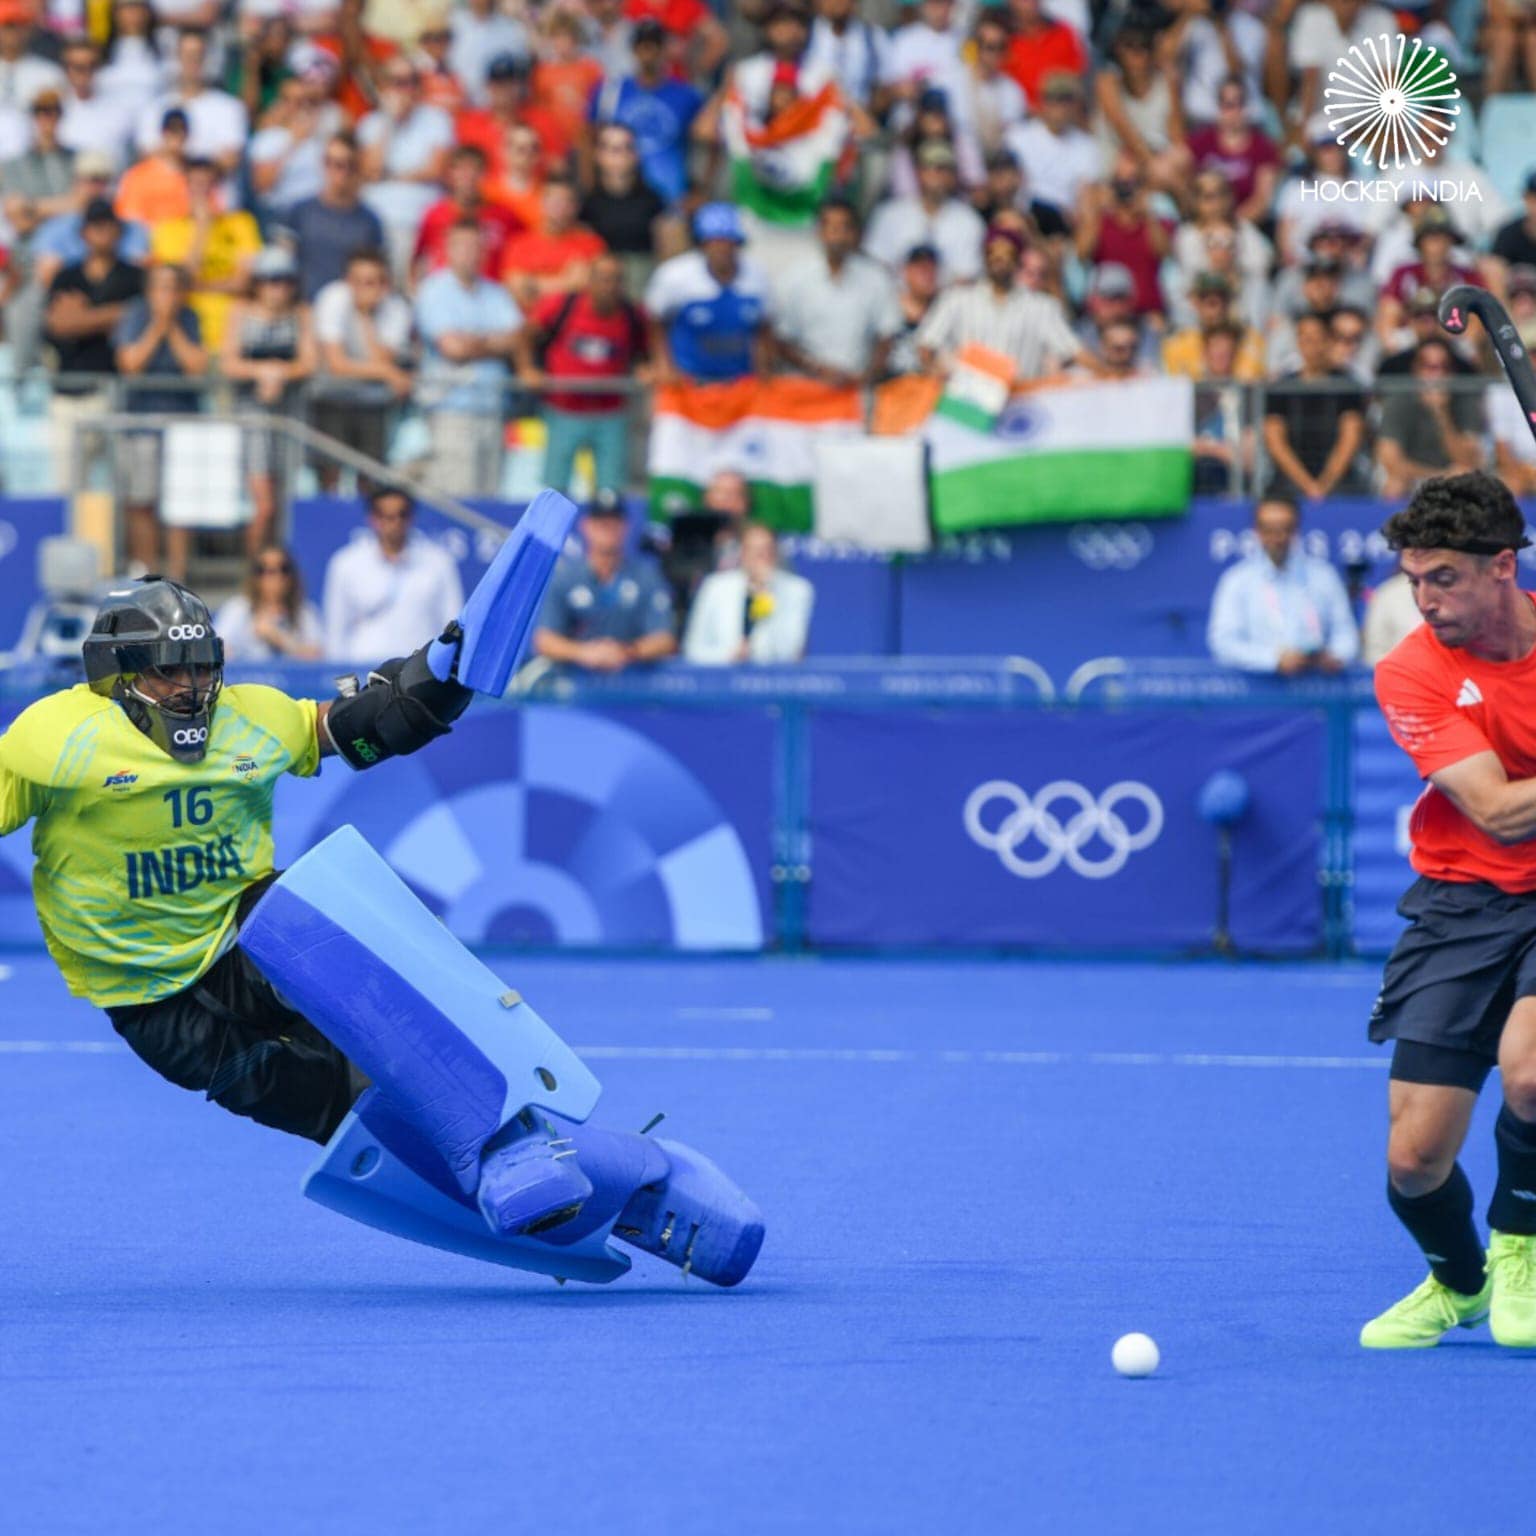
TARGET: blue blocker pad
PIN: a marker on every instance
(473, 1137)
(499, 616)
(343, 938)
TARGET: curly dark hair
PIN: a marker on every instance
(1473, 511)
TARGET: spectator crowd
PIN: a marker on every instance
(507, 207)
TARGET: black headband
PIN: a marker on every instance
(1484, 546)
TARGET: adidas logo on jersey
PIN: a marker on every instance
(1470, 694)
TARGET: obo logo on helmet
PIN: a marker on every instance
(190, 736)
(187, 632)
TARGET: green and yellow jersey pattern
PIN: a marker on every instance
(141, 859)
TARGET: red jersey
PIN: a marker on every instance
(537, 254)
(580, 343)
(488, 134)
(679, 17)
(497, 226)
(1055, 47)
(1442, 707)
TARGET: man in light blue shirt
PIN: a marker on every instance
(469, 325)
(1281, 610)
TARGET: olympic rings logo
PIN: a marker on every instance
(187, 632)
(190, 736)
(1110, 546)
(1064, 840)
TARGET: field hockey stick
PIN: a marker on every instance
(1457, 306)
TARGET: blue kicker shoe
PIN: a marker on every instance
(530, 1181)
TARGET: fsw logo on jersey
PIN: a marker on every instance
(119, 781)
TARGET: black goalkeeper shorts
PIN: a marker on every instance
(1466, 958)
(230, 1036)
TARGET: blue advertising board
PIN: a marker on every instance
(644, 828)
(1057, 830)
(1386, 786)
(24, 524)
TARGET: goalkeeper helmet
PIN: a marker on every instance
(153, 649)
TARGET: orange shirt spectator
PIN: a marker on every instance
(520, 186)
(152, 190)
(555, 258)
(564, 79)
(487, 128)
(1041, 47)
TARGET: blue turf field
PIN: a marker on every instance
(975, 1177)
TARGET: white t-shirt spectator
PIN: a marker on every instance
(376, 608)
(216, 123)
(409, 146)
(838, 320)
(132, 77)
(477, 40)
(337, 321)
(857, 59)
(1316, 41)
(1205, 64)
(955, 231)
(22, 80)
(303, 172)
(97, 123)
(1056, 167)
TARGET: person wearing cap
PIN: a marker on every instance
(1212, 297)
(38, 183)
(382, 589)
(1059, 158)
(1042, 46)
(1280, 609)
(1321, 33)
(1335, 245)
(1316, 194)
(997, 313)
(711, 309)
(482, 31)
(917, 289)
(607, 610)
(658, 110)
(557, 256)
(697, 44)
(1435, 238)
(23, 73)
(1314, 421)
(268, 352)
(853, 50)
(1423, 313)
(925, 55)
(1109, 299)
(86, 300)
(154, 187)
(217, 123)
(60, 241)
(1321, 292)
(215, 246)
(507, 107)
(936, 217)
(440, 86)
(1432, 428)
(837, 314)
(325, 229)
(91, 121)
(1243, 153)
(468, 325)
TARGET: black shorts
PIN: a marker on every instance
(230, 1036)
(1467, 956)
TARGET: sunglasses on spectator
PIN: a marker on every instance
(274, 568)
(437, 35)
(47, 109)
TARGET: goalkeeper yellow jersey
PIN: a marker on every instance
(141, 859)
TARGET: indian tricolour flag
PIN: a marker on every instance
(781, 170)
(765, 428)
(1122, 449)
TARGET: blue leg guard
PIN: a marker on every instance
(473, 1137)
(499, 616)
(458, 1055)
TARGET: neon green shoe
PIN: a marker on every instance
(1512, 1271)
(1423, 1317)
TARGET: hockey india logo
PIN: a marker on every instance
(1392, 102)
